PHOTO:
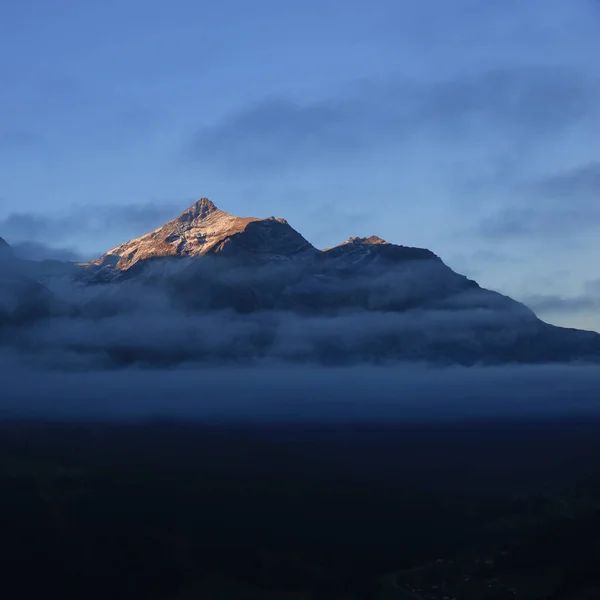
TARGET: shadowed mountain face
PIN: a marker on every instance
(22, 298)
(210, 286)
(5, 250)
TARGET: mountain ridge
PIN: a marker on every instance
(213, 287)
(366, 273)
(205, 229)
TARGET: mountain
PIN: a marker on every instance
(202, 230)
(23, 299)
(209, 286)
(361, 249)
(250, 264)
(5, 250)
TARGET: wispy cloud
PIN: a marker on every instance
(523, 103)
(38, 251)
(586, 302)
(581, 184)
(548, 221)
(77, 222)
(561, 204)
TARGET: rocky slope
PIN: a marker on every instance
(203, 229)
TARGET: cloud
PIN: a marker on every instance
(581, 184)
(301, 394)
(215, 314)
(75, 224)
(561, 304)
(528, 222)
(519, 103)
(558, 205)
(587, 302)
(38, 251)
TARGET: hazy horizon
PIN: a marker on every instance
(268, 393)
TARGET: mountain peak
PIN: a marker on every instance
(374, 248)
(199, 210)
(278, 219)
(205, 229)
(372, 240)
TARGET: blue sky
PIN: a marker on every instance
(470, 127)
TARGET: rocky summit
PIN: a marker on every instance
(204, 229)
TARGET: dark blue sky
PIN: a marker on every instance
(471, 127)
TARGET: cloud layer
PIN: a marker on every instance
(362, 394)
(371, 114)
(562, 204)
(210, 312)
(587, 301)
(43, 235)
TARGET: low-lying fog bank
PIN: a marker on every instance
(371, 394)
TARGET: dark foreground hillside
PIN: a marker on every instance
(173, 511)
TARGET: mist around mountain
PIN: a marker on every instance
(23, 299)
(212, 288)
